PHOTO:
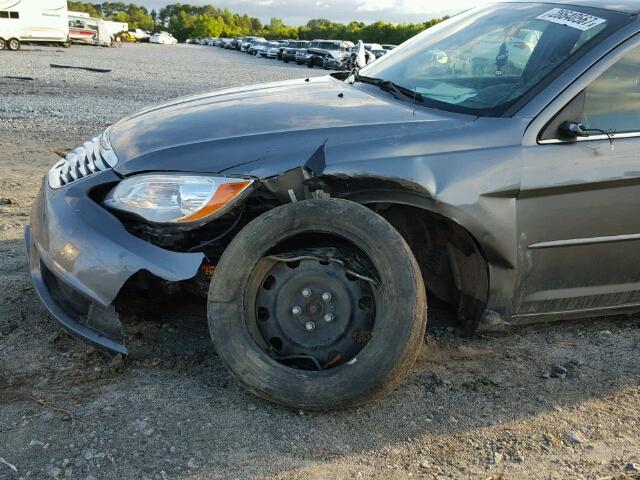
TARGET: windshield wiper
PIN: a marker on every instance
(398, 91)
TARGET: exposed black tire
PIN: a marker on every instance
(285, 60)
(400, 319)
(310, 63)
(13, 44)
(3, 44)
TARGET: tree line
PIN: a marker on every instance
(189, 21)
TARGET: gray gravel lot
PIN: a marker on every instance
(471, 409)
(140, 74)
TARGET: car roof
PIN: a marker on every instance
(626, 6)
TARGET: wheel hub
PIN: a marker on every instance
(312, 314)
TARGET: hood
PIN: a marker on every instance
(278, 123)
(324, 51)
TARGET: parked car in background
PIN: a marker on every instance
(259, 48)
(244, 46)
(163, 38)
(256, 44)
(319, 49)
(289, 51)
(348, 62)
(283, 44)
(376, 49)
(244, 41)
(141, 35)
(270, 50)
(301, 55)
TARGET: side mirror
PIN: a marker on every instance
(573, 130)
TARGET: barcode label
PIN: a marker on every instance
(571, 18)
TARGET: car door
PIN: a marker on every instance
(579, 206)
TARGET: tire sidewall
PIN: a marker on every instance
(399, 327)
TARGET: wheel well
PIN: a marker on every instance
(453, 267)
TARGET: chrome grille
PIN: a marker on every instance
(93, 156)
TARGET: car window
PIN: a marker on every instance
(612, 102)
(327, 45)
(487, 60)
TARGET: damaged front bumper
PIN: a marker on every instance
(80, 256)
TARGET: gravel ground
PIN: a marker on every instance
(476, 408)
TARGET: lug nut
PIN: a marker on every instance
(310, 326)
(306, 292)
(326, 297)
(328, 317)
(296, 310)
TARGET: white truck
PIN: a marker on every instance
(33, 21)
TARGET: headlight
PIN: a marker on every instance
(176, 198)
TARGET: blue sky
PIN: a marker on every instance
(297, 12)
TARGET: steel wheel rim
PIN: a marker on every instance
(311, 313)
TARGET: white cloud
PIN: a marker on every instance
(298, 12)
(376, 5)
(414, 7)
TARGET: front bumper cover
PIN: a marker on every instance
(80, 256)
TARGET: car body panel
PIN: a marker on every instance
(89, 249)
(80, 257)
(592, 247)
(208, 132)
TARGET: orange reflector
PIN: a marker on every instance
(224, 194)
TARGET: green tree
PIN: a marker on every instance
(83, 7)
(191, 21)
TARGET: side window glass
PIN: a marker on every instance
(612, 102)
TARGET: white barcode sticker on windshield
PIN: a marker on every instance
(571, 18)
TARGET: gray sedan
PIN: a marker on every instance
(490, 164)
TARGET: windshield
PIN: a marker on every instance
(326, 45)
(486, 60)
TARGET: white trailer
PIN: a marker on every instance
(38, 21)
(116, 28)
